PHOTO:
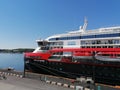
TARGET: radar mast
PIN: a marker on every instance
(83, 28)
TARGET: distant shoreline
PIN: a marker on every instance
(19, 50)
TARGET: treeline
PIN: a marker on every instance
(19, 50)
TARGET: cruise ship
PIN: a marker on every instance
(90, 53)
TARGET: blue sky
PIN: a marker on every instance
(24, 21)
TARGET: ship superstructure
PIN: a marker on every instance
(99, 38)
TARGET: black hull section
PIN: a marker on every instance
(101, 73)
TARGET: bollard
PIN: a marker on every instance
(59, 84)
(86, 89)
(72, 87)
(21, 76)
(79, 88)
(53, 83)
(65, 85)
(48, 82)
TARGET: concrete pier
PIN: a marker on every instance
(17, 83)
(14, 80)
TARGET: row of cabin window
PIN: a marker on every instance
(100, 42)
(100, 47)
(87, 37)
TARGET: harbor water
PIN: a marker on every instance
(15, 61)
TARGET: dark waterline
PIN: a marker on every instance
(15, 61)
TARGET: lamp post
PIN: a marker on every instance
(24, 67)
